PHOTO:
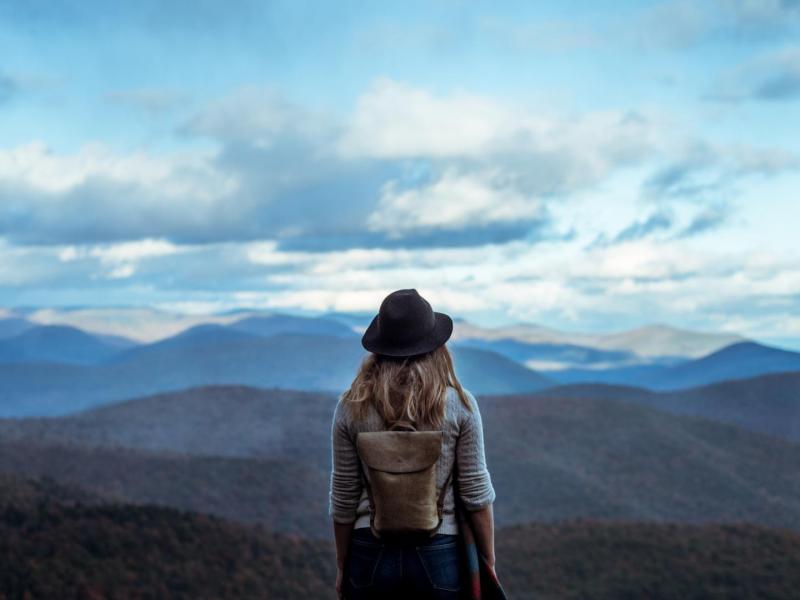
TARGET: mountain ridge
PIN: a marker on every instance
(297, 361)
(550, 457)
(766, 403)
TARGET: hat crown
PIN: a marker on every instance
(406, 325)
(404, 316)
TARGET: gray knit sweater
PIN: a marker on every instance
(463, 442)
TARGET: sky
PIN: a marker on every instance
(590, 166)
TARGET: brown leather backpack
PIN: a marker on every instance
(400, 479)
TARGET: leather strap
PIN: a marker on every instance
(442, 492)
(369, 493)
(402, 425)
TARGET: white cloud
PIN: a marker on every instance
(126, 252)
(122, 271)
(395, 120)
(680, 281)
(119, 261)
(35, 165)
(283, 171)
(266, 253)
(67, 254)
(749, 290)
(455, 200)
(257, 115)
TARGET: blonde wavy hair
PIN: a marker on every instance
(408, 388)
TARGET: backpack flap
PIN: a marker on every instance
(399, 451)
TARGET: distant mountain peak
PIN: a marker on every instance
(750, 346)
(653, 340)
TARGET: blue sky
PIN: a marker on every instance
(584, 165)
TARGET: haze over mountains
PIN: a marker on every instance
(658, 340)
(59, 368)
(148, 325)
(212, 355)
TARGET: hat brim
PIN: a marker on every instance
(441, 332)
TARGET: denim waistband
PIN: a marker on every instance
(365, 534)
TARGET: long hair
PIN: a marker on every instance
(408, 388)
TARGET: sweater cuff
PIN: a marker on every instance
(343, 520)
(342, 515)
(480, 497)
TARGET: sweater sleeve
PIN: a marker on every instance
(474, 482)
(345, 482)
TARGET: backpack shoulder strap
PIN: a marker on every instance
(366, 485)
(443, 491)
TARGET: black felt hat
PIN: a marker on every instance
(406, 325)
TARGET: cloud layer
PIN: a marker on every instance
(514, 165)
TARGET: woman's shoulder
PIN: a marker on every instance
(346, 416)
(340, 412)
(343, 409)
(454, 400)
(453, 392)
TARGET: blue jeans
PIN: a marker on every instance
(430, 569)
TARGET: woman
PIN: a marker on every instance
(409, 376)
